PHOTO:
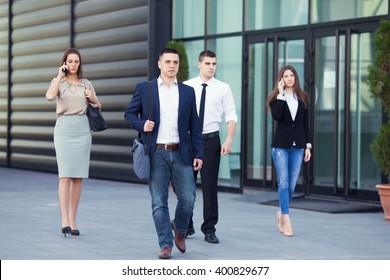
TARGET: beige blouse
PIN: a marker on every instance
(71, 99)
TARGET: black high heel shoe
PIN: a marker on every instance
(75, 232)
(66, 230)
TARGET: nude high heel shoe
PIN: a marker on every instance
(288, 231)
(280, 221)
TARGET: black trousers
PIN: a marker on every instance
(209, 183)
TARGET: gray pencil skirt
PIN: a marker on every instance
(72, 142)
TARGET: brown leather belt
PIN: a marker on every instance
(170, 147)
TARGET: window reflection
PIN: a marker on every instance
(188, 18)
(326, 10)
(277, 13)
(193, 48)
(224, 16)
(365, 115)
(229, 61)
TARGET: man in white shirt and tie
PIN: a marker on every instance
(218, 102)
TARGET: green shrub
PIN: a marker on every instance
(379, 71)
(379, 85)
(381, 149)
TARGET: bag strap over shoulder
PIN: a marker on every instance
(150, 115)
(150, 101)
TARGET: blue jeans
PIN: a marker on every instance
(169, 166)
(288, 165)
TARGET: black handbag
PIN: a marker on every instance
(140, 150)
(95, 118)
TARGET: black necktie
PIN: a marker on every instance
(201, 109)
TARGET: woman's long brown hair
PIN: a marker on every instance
(73, 51)
(301, 94)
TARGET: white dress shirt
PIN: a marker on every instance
(168, 132)
(219, 102)
(292, 102)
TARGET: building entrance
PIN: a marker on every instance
(265, 55)
(332, 66)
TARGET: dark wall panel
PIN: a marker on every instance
(4, 50)
(112, 37)
(113, 40)
(40, 32)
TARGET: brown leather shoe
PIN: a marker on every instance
(165, 253)
(180, 240)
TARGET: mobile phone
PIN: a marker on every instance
(65, 70)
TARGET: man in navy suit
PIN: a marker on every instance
(176, 148)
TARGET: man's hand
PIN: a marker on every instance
(226, 147)
(148, 126)
(198, 164)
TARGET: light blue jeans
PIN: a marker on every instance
(168, 166)
(288, 164)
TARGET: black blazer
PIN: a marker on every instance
(287, 131)
(190, 134)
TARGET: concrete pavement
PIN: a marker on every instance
(115, 222)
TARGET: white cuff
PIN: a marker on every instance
(308, 145)
(281, 97)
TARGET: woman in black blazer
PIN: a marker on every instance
(289, 107)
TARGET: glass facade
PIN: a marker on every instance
(263, 14)
(329, 112)
(224, 16)
(252, 39)
(188, 18)
(256, 114)
(193, 49)
(330, 10)
(229, 61)
(359, 119)
(365, 114)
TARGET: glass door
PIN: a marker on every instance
(346, 118)
(265, 55)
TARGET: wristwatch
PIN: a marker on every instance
(308, 145)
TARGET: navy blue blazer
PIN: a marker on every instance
(190, 134)
(289, 130)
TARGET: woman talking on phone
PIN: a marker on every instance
(72, 134)
(289, 107)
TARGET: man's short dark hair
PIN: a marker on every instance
(206, 53)
(167, 50)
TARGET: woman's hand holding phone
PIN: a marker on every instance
(64, 69)
(281, 86)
